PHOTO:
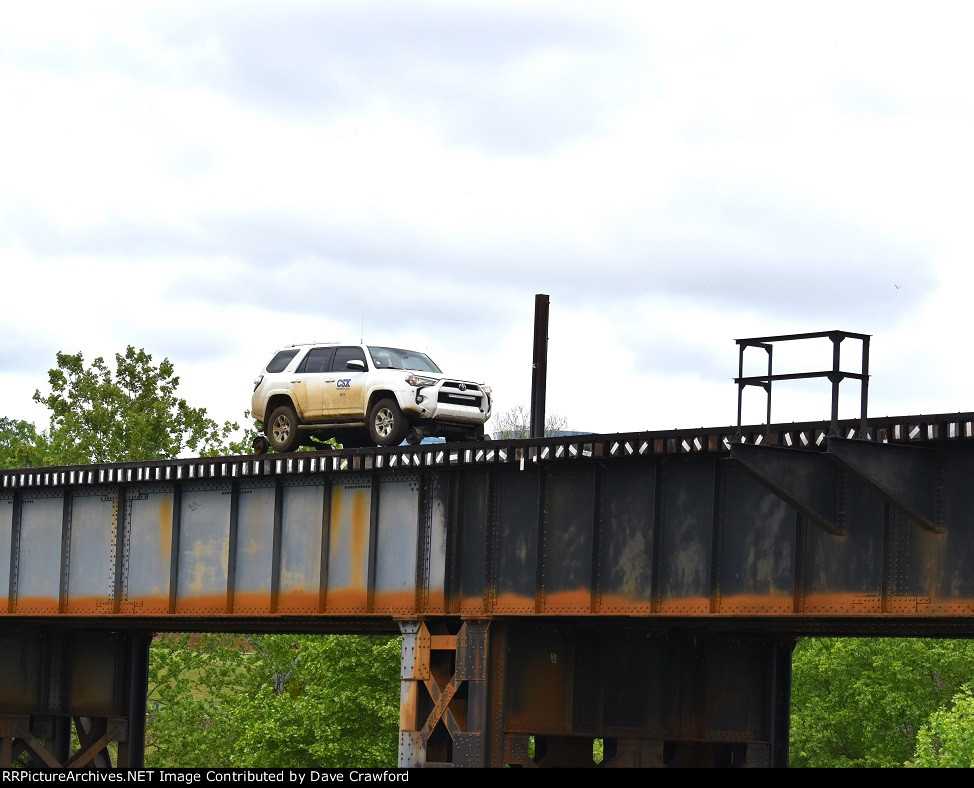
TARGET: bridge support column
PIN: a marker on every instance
(575, 696)
(72, 698)
(442, 711)
(626, 696)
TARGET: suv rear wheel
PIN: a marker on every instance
(387, 425)
(282, 429)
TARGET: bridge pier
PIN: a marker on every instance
(494, 694)
(72, 698)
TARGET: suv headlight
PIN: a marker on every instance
(419, 381)
(487, 390)
(257, 381)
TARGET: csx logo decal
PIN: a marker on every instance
(344, 383)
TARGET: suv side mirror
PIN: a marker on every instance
(355, 364)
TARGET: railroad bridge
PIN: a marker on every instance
(646, 589)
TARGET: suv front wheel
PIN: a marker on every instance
(387, 424)
(282, 429)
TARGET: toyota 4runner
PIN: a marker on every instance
(362, 395)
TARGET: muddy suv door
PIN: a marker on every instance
(344, 387)
(308, 383)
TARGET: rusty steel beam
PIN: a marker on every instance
(499, 694)
(58, 680)
(642, 591)
(909, 477)
(590, 527)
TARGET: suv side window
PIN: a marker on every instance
(345, 354)
(317, 360)
(281, 359)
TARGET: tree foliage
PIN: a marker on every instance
(947, 740)
(860, 702)
(266, 701)
(21, 445)
(516, 423)
(131, 413)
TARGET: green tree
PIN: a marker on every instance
(859, 702)
(947, 740)
(133, 413)
(21, 445)
(268, 701)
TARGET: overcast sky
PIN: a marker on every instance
(209, 181)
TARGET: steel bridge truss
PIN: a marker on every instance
(637, 595)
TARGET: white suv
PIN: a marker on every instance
(362, 395)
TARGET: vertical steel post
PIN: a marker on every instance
(539, 369)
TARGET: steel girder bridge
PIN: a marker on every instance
(644, 589)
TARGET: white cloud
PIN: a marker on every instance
(211, 181)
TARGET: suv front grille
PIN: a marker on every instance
(455, 393)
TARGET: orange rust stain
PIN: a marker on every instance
(89, 604)
(513, 603)
(204, 603)
(145, 605)
(409, 719)
(436, 600)
(854, 604)
(252, 602)
(395, 602)
(685, 606)
(346, 600)
(297, 602)
(617, 603)
(165, 530)
(472, 606)
(756, 604)
(358, 536)
(579, 600)
(35, 604)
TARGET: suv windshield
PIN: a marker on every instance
(396, 358)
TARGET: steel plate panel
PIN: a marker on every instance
(640, 678)
(397, 544)
(843, 574)
(255, 548)
(687, 538)
(148, 550)
(736, 686)
(6, 542)
(436, 514)
(38, 580)
(472, 564)
(91, 551)
(301, 548)
(757, 548)
(539, 687)
(568, 541)
(949, 556)
(348, 545)
(204, 548)
(515, 547)
(21, 679)
(626, 540)
(96, 670)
